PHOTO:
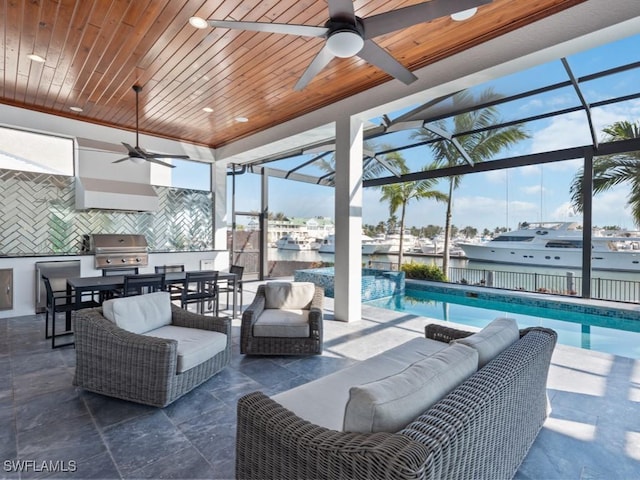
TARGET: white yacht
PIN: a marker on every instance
(328, 245)
(294, 242)
(556, 244)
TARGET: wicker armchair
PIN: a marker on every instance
(140, 368)
(253, 344)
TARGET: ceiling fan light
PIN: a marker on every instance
(464, 14)
(345, 43)
(137, 160)
(198, 22)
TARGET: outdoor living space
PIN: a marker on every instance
(593, 430)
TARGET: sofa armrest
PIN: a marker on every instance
(444, 334)
(273, 443)
(184, 318)
(108, 358)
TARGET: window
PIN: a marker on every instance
(35, 152)
(187, 174)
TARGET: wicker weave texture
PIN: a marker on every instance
(310, 345)
(114, 362)
(481, 430)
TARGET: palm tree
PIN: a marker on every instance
(611, 170)
(400, 194)
(482, 145)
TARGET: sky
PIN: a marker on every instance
(507, 197)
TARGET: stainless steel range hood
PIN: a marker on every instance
(115, 195)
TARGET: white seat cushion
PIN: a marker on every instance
(289, 295)
(492, 339)
(389, 404)
(282, 323)
(322, 402)
(194, 345)
(139, 313)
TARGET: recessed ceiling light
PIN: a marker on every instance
(464, 14)
(75, 109)
(35, 58)
(208, 109)
(198, 22)
(242, 119)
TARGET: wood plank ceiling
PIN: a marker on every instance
(96, 50)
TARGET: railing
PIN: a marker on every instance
(569, 284)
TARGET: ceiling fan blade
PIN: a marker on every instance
(303, 30)
(401, 18)
(162, 155)
(376, 55)
(159, 162)
(320, 61)
(341, 9)
(132, 151)
(121, 160)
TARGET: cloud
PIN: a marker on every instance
(532, 189)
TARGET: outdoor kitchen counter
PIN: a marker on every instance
(24, 267)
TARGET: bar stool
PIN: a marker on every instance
(58, 302)
(112, 272)
(143, 283)
(174, 289)
(201, 287)
(234, 285)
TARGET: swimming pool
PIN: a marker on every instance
(618, 336)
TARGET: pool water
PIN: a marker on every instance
(605, 334)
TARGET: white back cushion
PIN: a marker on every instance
(289, 295)
(492, 339)
(389, 404)
(139, 313)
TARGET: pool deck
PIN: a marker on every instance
(593, 431)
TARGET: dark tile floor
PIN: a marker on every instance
(593, 432)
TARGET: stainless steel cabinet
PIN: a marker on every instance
(6, 289)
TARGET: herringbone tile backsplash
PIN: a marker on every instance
(38, 216)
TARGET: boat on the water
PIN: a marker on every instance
(328, 245)
(556, 244)
(294, 242)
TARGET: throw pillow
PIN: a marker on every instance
(139, 313)
(389, 404)
(289, 295)
(492, 339)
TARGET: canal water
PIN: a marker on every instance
(315, 256)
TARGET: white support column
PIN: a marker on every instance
(219, 191)
(348, 213)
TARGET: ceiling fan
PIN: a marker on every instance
(347, 35)
(137, 154)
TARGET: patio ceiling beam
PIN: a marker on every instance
(413, 115)
(610, 148)
(277, 173)
(438, 131)
(302, 165)
(585, 105)
(531, 118)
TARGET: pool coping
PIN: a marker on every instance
(581, 305)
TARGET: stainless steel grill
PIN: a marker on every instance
(114, 250)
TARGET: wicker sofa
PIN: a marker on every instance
(146, 365)
(482, 429)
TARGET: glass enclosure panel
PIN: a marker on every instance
(35, 152)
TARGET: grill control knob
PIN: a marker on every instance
(108, 260)
(138, 260)
(124, 260)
